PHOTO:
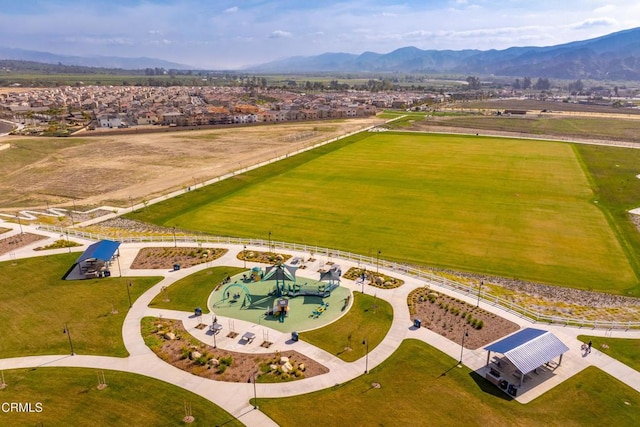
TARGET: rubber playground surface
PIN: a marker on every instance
(304, 313)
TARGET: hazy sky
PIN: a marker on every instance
(233, 34)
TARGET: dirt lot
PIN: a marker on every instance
(452, 318)
(111, 169)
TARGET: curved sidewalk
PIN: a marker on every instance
(234, 397)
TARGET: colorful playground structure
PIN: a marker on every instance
(250, 292)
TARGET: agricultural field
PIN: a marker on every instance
(119, 170)
(506, 207)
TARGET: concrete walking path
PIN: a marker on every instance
(234, 397)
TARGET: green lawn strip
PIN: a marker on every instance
(368, 319)
(613, 173)
(69, 397)
(501, 206)
(623, 349)
(194, 290)
(36, 303)
(167, 213)
(420, 385)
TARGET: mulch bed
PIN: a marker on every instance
(451, 318)
(242, 366)
(18, 241)
(165, 258)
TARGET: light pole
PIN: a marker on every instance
(479, 290)
(378, 261)
(366, 357)
(129, 293)
(364, 276)
(68, 244)
(252, 379)
(19, 222)
(244, 255)
(175, 244)
(66, 331)
(466, 334)
(131, 203)
(269, 241)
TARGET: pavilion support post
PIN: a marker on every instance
(560, 361)
(488, 357)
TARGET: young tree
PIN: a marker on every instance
(526, 83)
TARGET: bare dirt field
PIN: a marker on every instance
(112, 169)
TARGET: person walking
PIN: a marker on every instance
(589, 346)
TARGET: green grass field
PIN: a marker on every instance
(368, 319)
(420, 386)
(194, 290)
(624, 350)
(69, 397)
(36, 303)
(502, 206)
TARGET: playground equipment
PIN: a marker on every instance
(232, 299)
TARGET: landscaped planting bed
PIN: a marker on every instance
(453, 318)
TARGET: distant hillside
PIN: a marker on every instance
(614, 57)
(90, 61)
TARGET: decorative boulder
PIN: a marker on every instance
(302, 367)
(379, 280)
(170, 336)
(283, 360)
(273, 367)
(286, 368)
(214, 362)
(196, 355)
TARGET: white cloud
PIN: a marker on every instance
(599, 22)
(280, 34)
(233, 9)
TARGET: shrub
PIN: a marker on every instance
(479, 325)
(185, 353)
(226, 360)
(221, 368)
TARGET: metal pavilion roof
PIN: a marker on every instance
(529, 348)
(102, 250)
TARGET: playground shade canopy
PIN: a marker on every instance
(102, 250)
(280, 273)
(529, 348)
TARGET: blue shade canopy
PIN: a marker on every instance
(102, 250)
(529, 348)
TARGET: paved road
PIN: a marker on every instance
(234, 397)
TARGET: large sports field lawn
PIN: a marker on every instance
(508, 207)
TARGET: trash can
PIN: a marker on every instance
(417, 323)
(294, 336)
(176, 267)
(198, 311)
(107, 273)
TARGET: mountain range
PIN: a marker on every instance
(90, 61)
(612, 57)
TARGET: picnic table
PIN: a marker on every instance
(215, 328)
(249, 337)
